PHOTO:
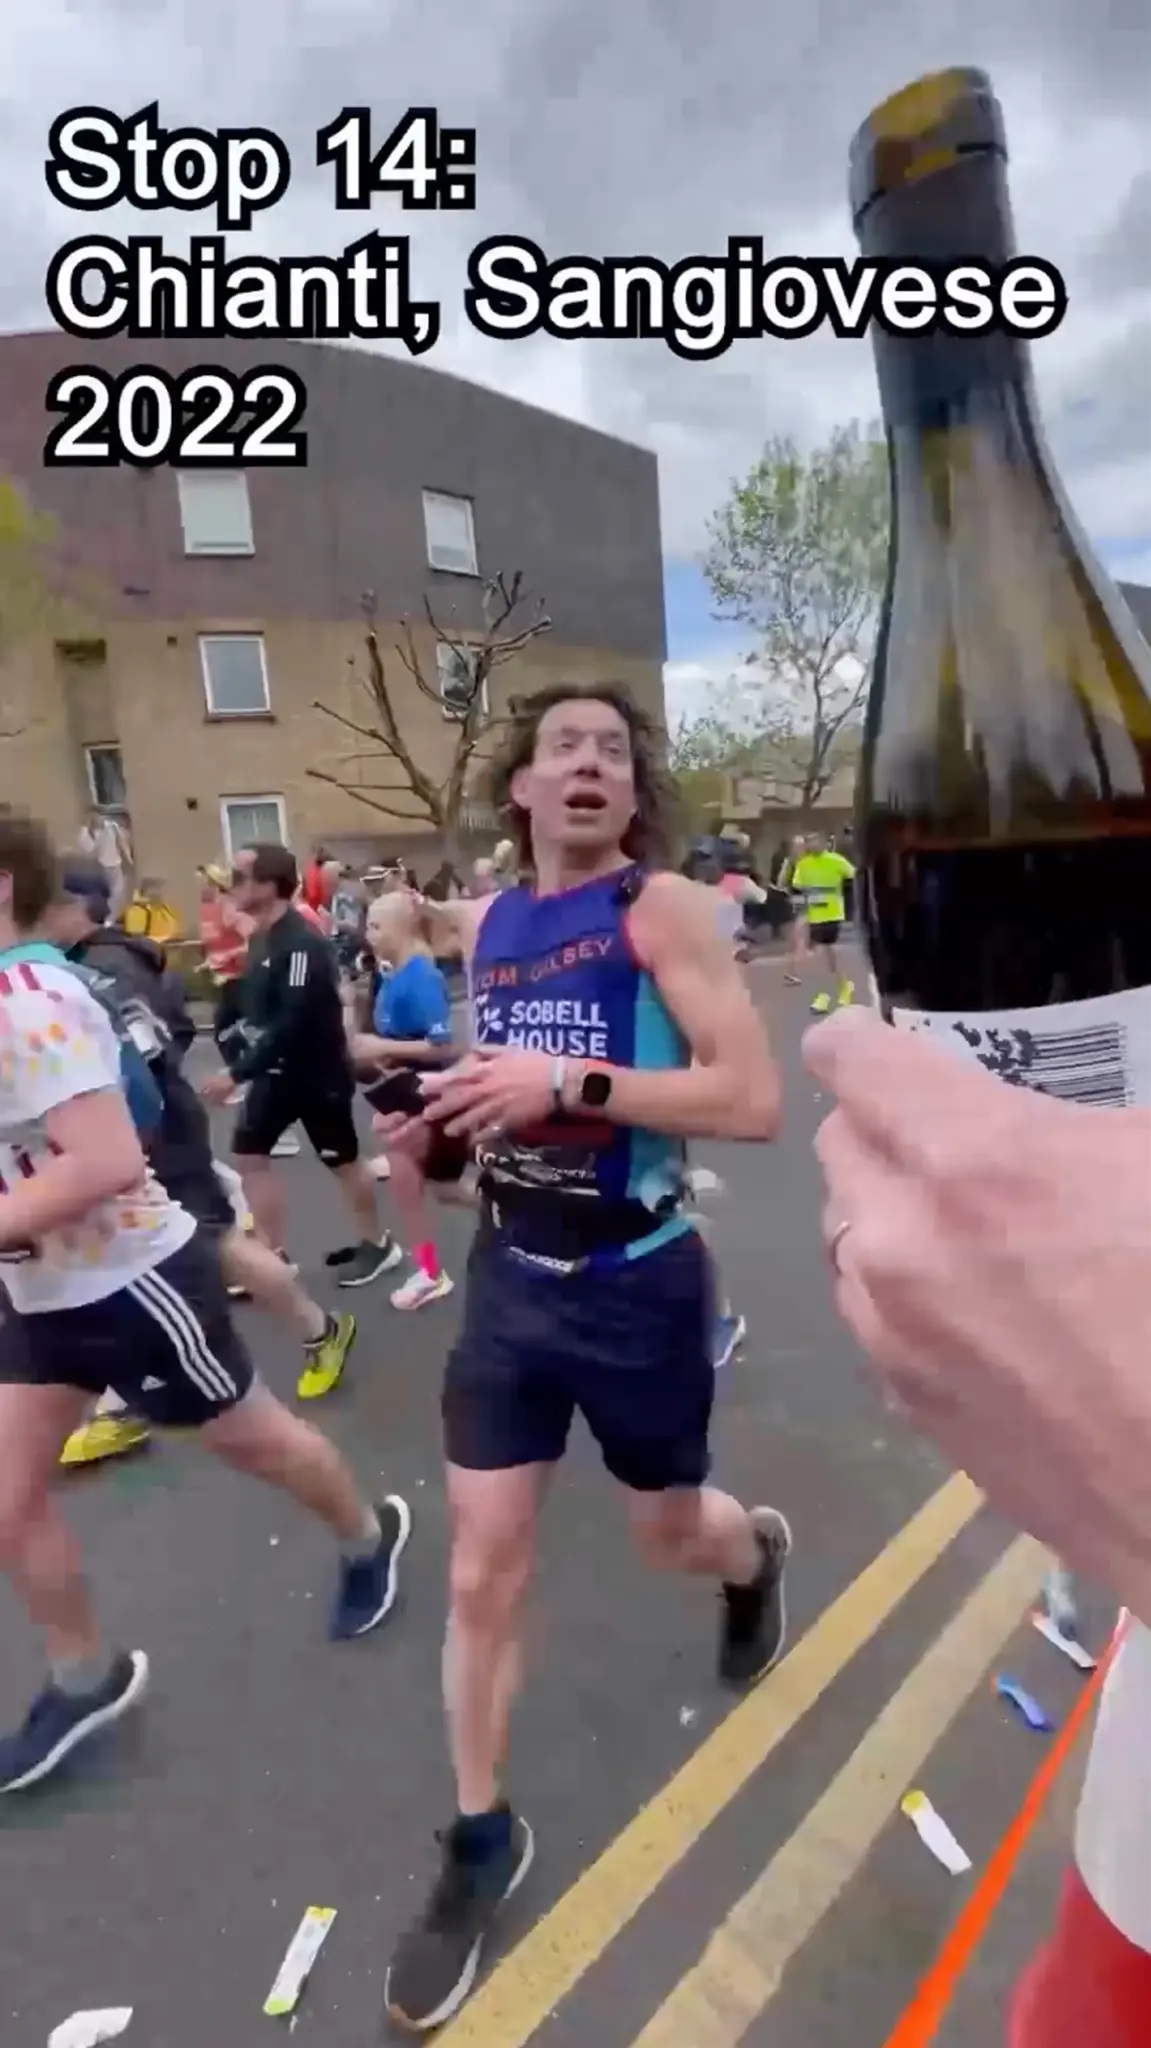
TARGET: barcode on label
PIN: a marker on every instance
(1089, 1065)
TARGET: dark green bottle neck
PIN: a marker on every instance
(963, 214)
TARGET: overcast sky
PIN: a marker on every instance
(651, 127)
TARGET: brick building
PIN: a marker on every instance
(215, 608)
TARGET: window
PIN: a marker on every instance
(215, 512)
(252, 821)
(106, 784)
(451, 533)
(457, 678)
(235, 674)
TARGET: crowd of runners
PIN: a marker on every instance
(602, 1023)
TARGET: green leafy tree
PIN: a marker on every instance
(797, 555)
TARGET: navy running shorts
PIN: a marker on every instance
(166, 1344)
(825, 933)
(274, 1102)
(630, 1347)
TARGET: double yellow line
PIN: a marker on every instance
(530, 1982)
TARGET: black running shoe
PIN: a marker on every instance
(367, 1262)
(754, 1627)
(436, 1962)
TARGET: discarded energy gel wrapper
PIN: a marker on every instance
(1025, 1704)
(1068, 1644)
(935, 1834)
(296, 1967)
(89, 2029)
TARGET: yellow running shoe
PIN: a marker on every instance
(324, 1362)
(821, 1004)
(844, 993)
(105, 1436)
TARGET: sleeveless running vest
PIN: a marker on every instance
(556, 974)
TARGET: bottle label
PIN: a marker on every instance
(1096, 1052)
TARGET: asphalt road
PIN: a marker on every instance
(271, 1770)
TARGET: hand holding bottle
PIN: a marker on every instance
(992, 1251)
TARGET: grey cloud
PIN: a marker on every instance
(660, 126)
(1111, 421)
(1122, 262)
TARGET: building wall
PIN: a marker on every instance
(147, 697)
(574, 511)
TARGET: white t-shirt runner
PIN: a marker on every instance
(57, 1043)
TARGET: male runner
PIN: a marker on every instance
(133, 974)
(296, 1062)
(613, 1025)
(108, 1284)
(818, 878)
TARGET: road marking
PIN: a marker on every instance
(743, 1965)
(921, 2021)
(528, 1984)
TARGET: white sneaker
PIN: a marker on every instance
(380, 1167)
(287, 1147)
(419, 1289)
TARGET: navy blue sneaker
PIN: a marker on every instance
(58, 1721)
(368, 1585)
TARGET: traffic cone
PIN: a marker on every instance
(1091, 1985)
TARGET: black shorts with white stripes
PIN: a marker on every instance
(166, 1344)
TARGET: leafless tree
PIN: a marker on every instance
(408, 790)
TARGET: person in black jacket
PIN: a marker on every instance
(152, 1004)
(295, 1061)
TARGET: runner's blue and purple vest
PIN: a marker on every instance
(556, 974)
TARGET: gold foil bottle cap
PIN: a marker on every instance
(925, 127)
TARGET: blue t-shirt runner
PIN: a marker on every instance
(413, 1003)
(411, 1010)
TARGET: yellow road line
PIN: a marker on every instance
(742, 1967)
(542, 1968)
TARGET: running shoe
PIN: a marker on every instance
(104, 1436)
(420, 1288)
(844, 993)
(367, 1261)
(437, 1961)
(324, 1362)
(286, 1147)
(727, 1336)
(380, 1166)
(368, 1586)
(820, 1004)
(58, 1721)
(755, 1617)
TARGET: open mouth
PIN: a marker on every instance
(585, 800)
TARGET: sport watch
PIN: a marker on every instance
(595, 1089)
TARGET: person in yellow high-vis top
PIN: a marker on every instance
(818, 876)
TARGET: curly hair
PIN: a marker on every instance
(650, 834)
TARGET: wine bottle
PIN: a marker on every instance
(1004, 836)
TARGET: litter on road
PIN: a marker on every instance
(297, 1965)
(1026, 1704)
(1069, 1645)
(935, 1834)
(89, 2029)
